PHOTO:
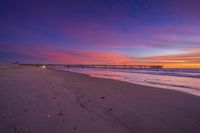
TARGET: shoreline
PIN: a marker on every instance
(41, 100)
(149, 83)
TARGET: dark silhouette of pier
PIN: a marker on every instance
(61, 66)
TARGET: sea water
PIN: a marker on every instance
(185, 80)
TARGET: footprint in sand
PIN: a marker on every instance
(60, 114)
(102, 97)
(89, 100)
(25, 110)
(54, 98)
(16, 130)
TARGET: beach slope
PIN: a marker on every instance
(37, 100)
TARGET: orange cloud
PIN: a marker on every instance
(72, 56)
(179, 61)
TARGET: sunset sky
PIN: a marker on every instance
(161, 32)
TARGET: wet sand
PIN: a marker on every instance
(37, 100)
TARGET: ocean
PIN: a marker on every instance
(185, 80)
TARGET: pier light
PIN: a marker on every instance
(43, 66)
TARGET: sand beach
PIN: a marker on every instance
(39, 100)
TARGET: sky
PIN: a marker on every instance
(147, 32)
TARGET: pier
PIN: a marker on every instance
(61, 66)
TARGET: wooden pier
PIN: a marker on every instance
(61, 66)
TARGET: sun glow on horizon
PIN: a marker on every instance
(116, 35)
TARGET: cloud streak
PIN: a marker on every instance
(74, 56)
(102, 32)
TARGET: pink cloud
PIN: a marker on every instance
(74, 56)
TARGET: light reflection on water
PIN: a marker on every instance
(176, 82)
